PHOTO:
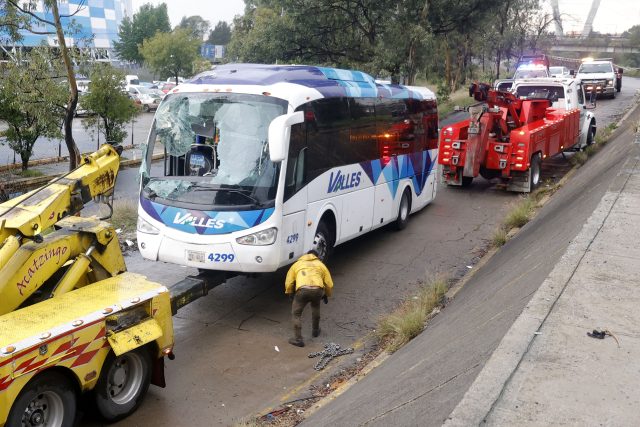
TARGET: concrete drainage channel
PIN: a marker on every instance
(305, 408)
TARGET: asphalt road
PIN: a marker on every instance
(233, 360)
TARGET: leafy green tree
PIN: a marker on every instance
(32, 101)
(171, 54)
(148, 21)
(221, 34)
(379, 36)
(196, 24)
(20, 15)
(111, 107)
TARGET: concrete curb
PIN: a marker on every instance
(49, 160)
(479, 401)
(30, 183)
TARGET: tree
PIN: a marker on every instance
(32, 101)
(145, 24)
(20, 15)
(221, 34)
(112, 108)
(378, 36)
(196, 24)
(171, 54)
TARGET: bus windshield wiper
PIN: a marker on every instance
(245, 193)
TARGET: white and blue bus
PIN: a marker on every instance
(264, 162)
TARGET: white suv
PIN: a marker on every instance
(599, 75)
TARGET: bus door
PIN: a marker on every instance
(295, 197)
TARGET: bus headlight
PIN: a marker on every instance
(260, 238)
(145, 227)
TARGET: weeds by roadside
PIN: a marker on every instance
(458, 98)
(407, 321)
(125, 215)
(602, 137)
(29, 173)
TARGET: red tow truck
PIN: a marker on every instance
(509, 134)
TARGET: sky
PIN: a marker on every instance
(613, 17)
(211, 10)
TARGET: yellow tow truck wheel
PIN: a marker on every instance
(47, 400)
(123, 384)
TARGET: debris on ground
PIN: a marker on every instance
(331, 351)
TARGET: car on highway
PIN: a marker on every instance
(149, 98)
(600, 76)
(560, 72)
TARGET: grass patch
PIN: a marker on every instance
(579, 159)
(459, 98)
(499, 237)
(520, 214)
(29, 173)
(125, 214)
(407, 321)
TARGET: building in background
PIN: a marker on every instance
(97, 23)
(213, 52)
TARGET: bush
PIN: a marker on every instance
(520, 215)
(396, 329)
(499, 237)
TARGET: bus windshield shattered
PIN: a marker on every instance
(216, 154)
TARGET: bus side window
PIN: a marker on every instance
(295, 174)
(363, 142)
(327, 133)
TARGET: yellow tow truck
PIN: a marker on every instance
(72, 319)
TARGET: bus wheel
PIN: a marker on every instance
(534, 172)
(403, 211)
(123, 383)
(323, 242)
(47, 400)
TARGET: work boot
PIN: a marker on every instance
(296, 341)
(315, 332)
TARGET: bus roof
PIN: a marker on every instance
(330, 82)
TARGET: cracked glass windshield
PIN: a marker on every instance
(216, 151)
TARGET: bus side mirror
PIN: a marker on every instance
(279, 133)
(572, 72)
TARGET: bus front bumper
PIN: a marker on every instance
(224, 256)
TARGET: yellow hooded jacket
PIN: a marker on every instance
(308, 270)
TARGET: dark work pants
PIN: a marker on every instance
(304, 296)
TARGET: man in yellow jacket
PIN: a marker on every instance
(308, 281)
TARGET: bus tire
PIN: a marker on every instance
(123, 384)
(535, 171)
(404, 210)
(323, 242)
(48, 399)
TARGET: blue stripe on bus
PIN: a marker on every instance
(205, 222)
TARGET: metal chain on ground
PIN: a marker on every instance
(331, 351)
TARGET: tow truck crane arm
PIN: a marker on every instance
(28, 215)
(28, 260)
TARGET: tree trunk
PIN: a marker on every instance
(72, 102)
(498, 59)
(24, 159)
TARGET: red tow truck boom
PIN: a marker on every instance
(506, 138)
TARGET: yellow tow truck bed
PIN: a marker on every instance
(73, 334)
